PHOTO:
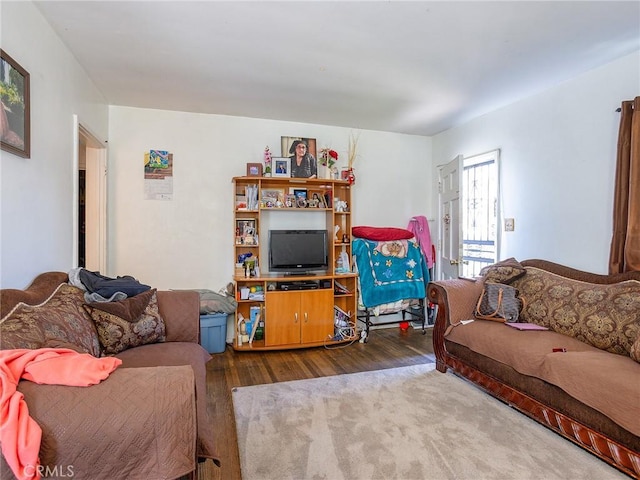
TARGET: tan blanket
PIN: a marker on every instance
(140, 423)
(604, 381)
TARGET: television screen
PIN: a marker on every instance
(298, 251)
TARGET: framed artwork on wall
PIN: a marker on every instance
(15, 111)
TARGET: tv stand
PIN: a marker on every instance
(298, 308)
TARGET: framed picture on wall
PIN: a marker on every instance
(15, 110)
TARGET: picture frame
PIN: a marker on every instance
(300, 192)
(254, 169)
(301, 197)
(280, 166)
(246, 231)
(15, 107)
(290, 200)
(287, 142)
(309, 163)
(316, 198)
(272, 197)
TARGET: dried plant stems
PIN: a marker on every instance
(352, 151)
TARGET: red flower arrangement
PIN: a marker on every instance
(328, 157)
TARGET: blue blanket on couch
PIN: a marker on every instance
(390, 271)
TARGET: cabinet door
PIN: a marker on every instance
(316, 315)
(282, 320)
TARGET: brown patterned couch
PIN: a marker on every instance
(589, 393)
(148, 419)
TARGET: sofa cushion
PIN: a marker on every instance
(59, 321)
(605, 316)
(505, 271)
(128, 323)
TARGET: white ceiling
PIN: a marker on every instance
(416, 67)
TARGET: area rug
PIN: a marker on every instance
(402, 423)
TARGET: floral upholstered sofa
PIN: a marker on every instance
(581, 377)
(149, 418)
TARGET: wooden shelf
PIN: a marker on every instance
(296, 318)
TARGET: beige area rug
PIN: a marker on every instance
(402, 423)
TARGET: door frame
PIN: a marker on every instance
(442, 260)
(95, 198)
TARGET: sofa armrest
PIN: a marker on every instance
(138, 423)
(456, 300)
(180, 310)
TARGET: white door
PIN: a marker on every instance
(449, 221)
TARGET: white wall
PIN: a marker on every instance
(188, 242)
(558, 154)
(37, 193)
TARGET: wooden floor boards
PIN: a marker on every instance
(387, 348)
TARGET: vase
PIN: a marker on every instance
(324, 172)
(351, 176)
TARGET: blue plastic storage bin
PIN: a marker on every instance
(213, 332)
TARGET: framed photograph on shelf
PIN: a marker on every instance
(287, 146)
(290, 200)
(272, 197)
(254, 169)
(16, 107)
(246, 233)
(301, 197)
(315, 198)
(302, 154)
(280, 166)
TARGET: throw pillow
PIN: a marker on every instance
(505, 271)
(121, 327)
(606, 316)
(635, 350)
(381, 233)
(59, 321)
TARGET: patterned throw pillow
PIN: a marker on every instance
(128, 323)
(605, 316)
(635, 350)
(505, 271)
(58, 322)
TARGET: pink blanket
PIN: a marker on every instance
(20, 435)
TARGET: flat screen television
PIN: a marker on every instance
(298, 252)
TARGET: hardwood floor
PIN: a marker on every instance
(387, 348)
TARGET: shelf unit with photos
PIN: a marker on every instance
(293, 318)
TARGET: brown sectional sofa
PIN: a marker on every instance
(589, 393)
(148, 419)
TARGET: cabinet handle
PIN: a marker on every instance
(296, 317)
(306, 317)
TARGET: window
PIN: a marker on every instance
(480, 212)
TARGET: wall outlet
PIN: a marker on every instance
(509, 224)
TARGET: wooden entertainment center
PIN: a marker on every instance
(299, 311)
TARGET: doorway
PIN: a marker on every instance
(90, 192)
(469, 212)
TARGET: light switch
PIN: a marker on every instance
(509, 224)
